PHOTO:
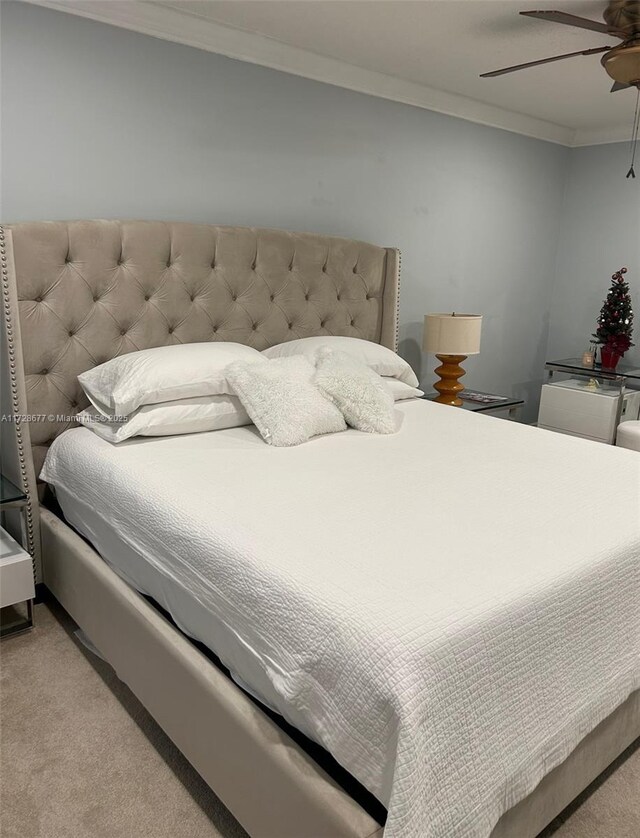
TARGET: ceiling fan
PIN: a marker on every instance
(622, 62)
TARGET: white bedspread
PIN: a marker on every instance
(448, 610)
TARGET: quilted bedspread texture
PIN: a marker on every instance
(444, 609)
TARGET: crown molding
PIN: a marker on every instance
(601, 136)
(169, 24)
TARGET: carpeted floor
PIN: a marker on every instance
(80, 757)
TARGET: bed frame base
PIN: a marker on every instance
(267, 781)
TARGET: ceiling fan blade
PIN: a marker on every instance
(593, 51)
(574, 20)
(619, 86)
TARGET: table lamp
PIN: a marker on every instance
(451, 338)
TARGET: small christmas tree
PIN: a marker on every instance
(615, 323)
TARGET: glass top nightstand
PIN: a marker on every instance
(10, 495)
(623, 375)
(497, 403)
(575, 366)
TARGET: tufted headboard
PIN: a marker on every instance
(78, 293)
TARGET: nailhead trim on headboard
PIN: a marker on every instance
(15, 402)
(398, 299)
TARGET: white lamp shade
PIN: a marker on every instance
(452, 334)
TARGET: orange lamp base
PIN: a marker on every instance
(448, 386)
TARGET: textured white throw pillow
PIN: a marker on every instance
(378, 358)
(182, 416)
(358, 392)
(281, 399)
(162, 374)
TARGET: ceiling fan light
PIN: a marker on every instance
(623, 15)
(623, 64)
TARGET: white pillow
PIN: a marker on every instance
(163, 374)
(400, 391)
(281, 399)
(182, 416)
(378, 358)
(357, 391)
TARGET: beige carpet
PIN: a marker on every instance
(80, 757)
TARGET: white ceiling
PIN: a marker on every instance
(426, 52)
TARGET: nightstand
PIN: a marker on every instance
(16, 565)
(594, 412)
(493, 403)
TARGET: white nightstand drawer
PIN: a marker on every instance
(16, 572)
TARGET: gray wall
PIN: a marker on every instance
(102, 122)
(599, 233)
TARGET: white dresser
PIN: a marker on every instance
(571, 407)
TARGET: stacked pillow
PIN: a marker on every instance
(399, 378)
(178, 389)
(291, 392)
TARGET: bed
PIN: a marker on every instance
(78, 293)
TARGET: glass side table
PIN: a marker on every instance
(619, 378)
(17, 570)
(575, 366)
(494, 403)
